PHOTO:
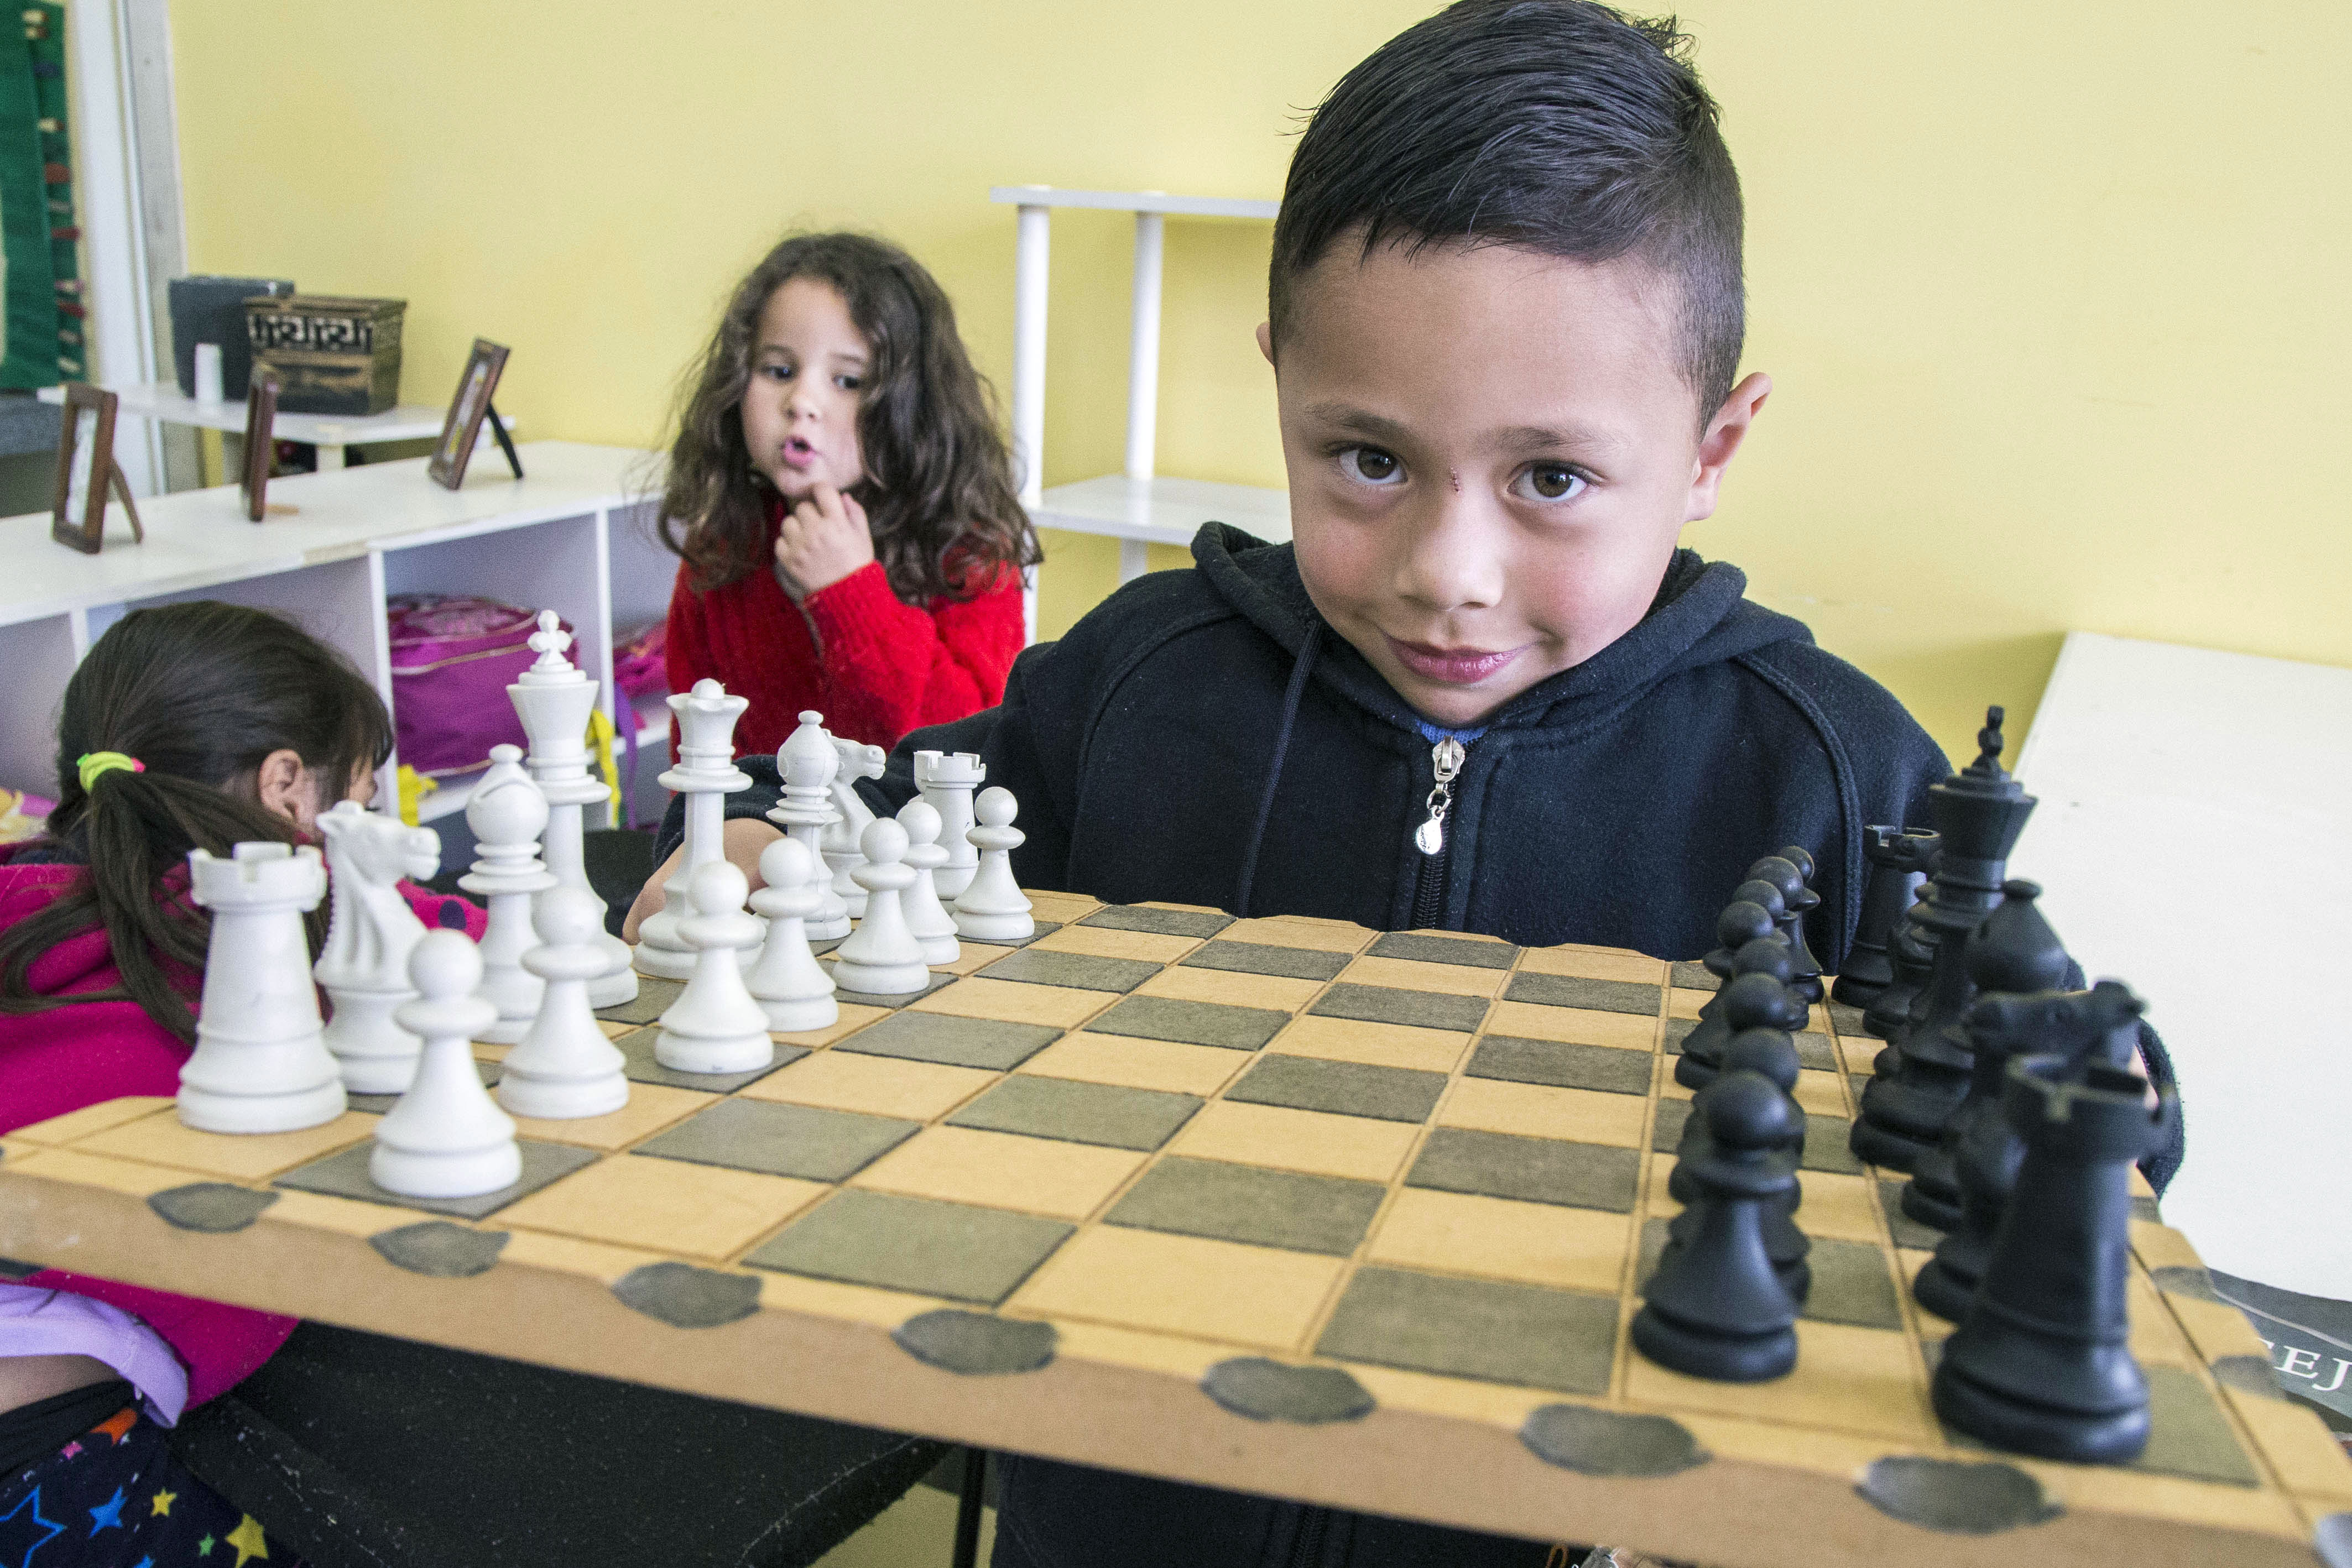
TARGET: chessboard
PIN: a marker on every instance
(1282, 1205)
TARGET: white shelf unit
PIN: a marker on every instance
(162, 402)
(573, 537)
(1139, 507)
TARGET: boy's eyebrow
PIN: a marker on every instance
(1358, 420)
(1531, 440)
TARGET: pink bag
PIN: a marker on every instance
(453, 657)
(639, 667)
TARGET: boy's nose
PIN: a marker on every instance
(1452, 557)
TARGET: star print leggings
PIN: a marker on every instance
(103, 1492)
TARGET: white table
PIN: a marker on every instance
(329, 433)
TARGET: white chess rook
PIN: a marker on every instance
(507, 813)
(260, 1063)
(808, 763)
(882, 957)
(788, 982)
(934, 929)
(565, 1068)
(554, 699)
(993, 908)
(371, 931)
(947, 780)
(706, 773)
(858, 760)
(445, 1139)
(715, 1026)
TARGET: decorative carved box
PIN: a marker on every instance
(332, 355)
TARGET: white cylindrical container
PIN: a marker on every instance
(208, 374)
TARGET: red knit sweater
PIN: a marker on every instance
(874, 666)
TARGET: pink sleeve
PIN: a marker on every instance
(220, 1344)
(447, 910)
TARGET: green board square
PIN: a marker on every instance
(1423, 948)
(1419, 1010)
(1695, 977)
(1563, 1066)
(1533, 1170)
(781, 1140)
(992, 1043)
(1258, 958)
(880, 999)
(1345, 1088)
(637, 1063)
(1081, 971)
(653, 1000)
(1827, 1145)
(1498, 1333)
(1079, 1112)
(1593, 996)
(1160, 922)
(345, 1174)
(1190, 1022)
(917, 1244)
(1246, 1203)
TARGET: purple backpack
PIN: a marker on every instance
(453, 657)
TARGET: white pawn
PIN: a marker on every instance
(947, 780)
(844, 840)
(445, 1139)
(808, 763)
(882, 957)
(507, 813)
(993, 908)
(715, 1026)
(260, 1063)
(929, 921)
(788, 982)
(371, 930)
(564, 1066)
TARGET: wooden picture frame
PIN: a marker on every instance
(260, 444)
(468, 408)
(87, 471)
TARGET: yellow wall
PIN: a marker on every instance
(2053, 296)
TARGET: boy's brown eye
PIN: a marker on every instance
(1551, 483)
(1372, 464)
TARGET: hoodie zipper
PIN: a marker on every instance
(1448, 750)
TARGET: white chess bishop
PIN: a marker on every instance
(706, 773)
(507, 813)
(565, 1068)
(371, 931)
(260, 1063)
(554, 699)
(808, 763)
(445, 1139)
(788, 982)
(715, 1026)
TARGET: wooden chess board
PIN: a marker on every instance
(1282, 1205)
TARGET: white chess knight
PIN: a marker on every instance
(564, 1067)
(843, 839)
(882, 957)
(808, 763)
(715, 1026)
(445, 1139)
(947, 780)
(933, 928)
(260, 1063)
(507, 813)
(788, 982)
(554, 699)
(993, 908)
(706, 773)
(369, 932)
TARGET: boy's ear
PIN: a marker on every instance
(1265, 341)
(1722, 438)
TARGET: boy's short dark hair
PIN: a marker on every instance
(1560, 126)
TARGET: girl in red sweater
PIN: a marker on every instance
(842, 506)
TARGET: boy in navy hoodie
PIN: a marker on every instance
(1483, 691)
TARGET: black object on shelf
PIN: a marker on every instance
(212, 310)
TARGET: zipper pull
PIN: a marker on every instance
(1445, 764)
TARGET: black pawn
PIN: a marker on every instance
(1715, 1308)
(1911, 951)
(1797, 901)
(1898, 864)
(1759, 997)
(2041, 1363)
(1771, 1053)
(1986, 1150)
(2016, 953)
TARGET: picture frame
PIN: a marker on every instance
(469, 407)
(88, 473)
(260, 444)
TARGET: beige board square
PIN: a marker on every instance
(1820, 1093)
(1540, 1243)
(484, 1053)
(872, 1305)
(1684, 1004)
(651, 1107)
(90, 1119)
(615, 1030)
(875, 1085)
(669, 1205)
(855, 1016)
(1136, 1063)
(1578, 1026)
(1014, 1002)
(1292, 931)
(1004, 1170)
(1834, 1205)
(1594, 964)
(343, 1216)
(1183, 1284)
(1407, 974)
(1107, 941)
(2216, 1328)
(2309, 1460)
(1541, 1111)
(1847, 1379)
(1279, 992)
(1380, 1044)
(570, 1254)
(96, 1170)
(972, 955)
(161, 1139)
(1064, 907)
(1291, 1140)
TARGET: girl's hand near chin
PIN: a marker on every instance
(824, 540)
